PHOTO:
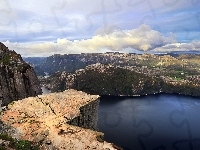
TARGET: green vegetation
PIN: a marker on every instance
(6, 137)
(100, 138)
(72, 62)
(24, 145)
(11, 58)
(12, 103)
(116, 81)
(5, 59)
(17, 144)
(150, 74)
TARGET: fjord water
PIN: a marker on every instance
(153, 122)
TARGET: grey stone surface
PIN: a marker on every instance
(88, 116)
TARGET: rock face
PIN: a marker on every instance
(109, 80)
(46, 120)
(88, 116)
(17, 79)
(121, 81)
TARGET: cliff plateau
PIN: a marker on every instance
(56, 121)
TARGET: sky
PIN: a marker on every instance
(47, 27)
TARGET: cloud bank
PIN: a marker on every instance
(194, 45)
(46, 20)
(142, 38)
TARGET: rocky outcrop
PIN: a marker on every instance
(55, 121)
(17, 79)
(111, 80)
(122, 81)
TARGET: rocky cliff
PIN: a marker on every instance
(55, 121)
(122, 81)
(17, 79)
(88, 116)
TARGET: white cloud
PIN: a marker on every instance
(142, 38)
(194, 45)
(76, 19)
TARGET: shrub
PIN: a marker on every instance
(100, 138)
(17, 144)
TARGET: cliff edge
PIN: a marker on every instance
(17, 78)
(56, 121)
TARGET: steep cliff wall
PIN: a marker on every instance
(17, 79)
(88, 116)
(46, 120)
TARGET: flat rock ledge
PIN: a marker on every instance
(51, 121)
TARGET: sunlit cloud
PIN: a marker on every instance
(43, 28)
(142, 38)
(194, 45)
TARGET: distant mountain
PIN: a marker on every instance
(72, 62)
(177, 53)
(36, 63)
(17, 78)
(34, 60)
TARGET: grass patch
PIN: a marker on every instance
(17, 144)
(178, 79)
(100, 138)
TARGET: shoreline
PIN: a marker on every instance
(137, 96)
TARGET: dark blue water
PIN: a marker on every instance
(155, 122)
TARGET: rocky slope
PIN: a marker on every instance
(17, 79)
(168, 64)
(70, 62)
(56, 121)
(121, 81)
